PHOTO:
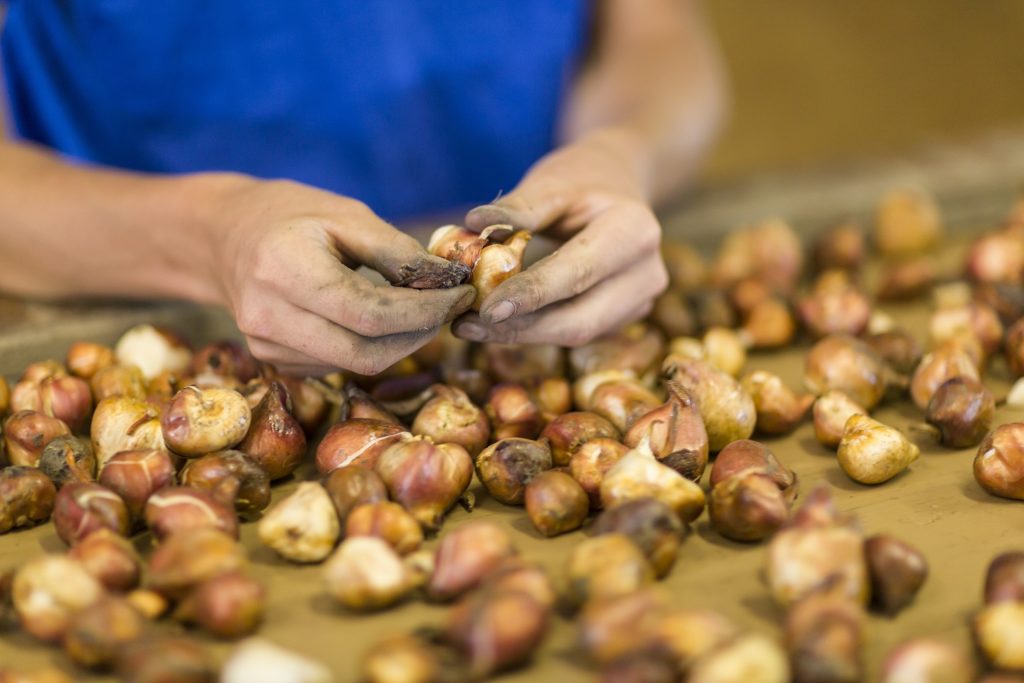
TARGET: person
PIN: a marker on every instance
(235, 154)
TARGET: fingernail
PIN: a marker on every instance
(501, 311)
(470, 331)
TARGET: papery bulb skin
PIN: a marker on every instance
(675, 432)
(28, 497)
(728, 410)
(639, 475)
(26, 434)
(125, 424)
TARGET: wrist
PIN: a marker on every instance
(628, 152)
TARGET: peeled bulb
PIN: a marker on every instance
(200, 421)
(302, 527)
(728, 410)
(257, 660)
(365, 573)
(639, 475)
(425, 478)
(153, 350)
(750, 658)
(871, 452)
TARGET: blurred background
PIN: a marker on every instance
(814, 82)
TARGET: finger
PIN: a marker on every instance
(536, 203)
(400, 258)
(616, 238)
(282, 357)
(331, 291)
(620, 299)
(316, 341)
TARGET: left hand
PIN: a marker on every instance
(609, 269)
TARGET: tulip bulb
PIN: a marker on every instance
(825, 637)
(923, 660)
(831, 411)
(835, 305)
(507, 466)
(686, 267)
(124, 424)
(907, 222)
(747, 507)
(779, 408)
(972, 318)
(897, 571)
(906, 279)
(555, 503)
(365, 573)
(849, 365)
(190, 557)
(118, 380)
(750, 658)
(815, 547)
(387, 521)
(48, 592)
(616, 396)
(232, 477)
(455, 243)
(466, 556)
(604, 567)
(962, 410)
(153, 350)
(175, 509)
(636, 348)
(425, 478)
(675, 432)
(898, 348)
(28, 497)
(497, 263)
(110, 558)
(257, 660)
(639, 475)
(999, 633)
(227, 606)
(352, 486)
(768, 325)
(200, 421)
(948, 361)
(997, 257)
(497, 630)
(843, 246)
(1015, 348)
(96, 635)
(999, 464)
(357, 442)
(591, 462)
(770, 251)
(728, 410)
(744, 456)
(82, 508)
(651, 525)
(567, 433)
(512, 412)
(302, 527)
(871, 452)
(68, 458)
(26, 434)
(136, 475)
(275, 438)
(450, 417)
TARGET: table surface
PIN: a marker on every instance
(936, 505)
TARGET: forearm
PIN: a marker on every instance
(652, 88)
(69, 230)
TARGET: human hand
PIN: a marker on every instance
(607, 273)
(285, 254)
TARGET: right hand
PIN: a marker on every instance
(284, 257)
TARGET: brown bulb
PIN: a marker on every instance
(555, 503)
(118, 380)
(68, 458)
(849, 365)
(190, 557)
(164, 658)
(66, 398)
(425, 478)
(153, 350)
(450, 417)
(26, 434)
(606, 566)
(871, 452)
(110, 558)
(997, 257)
(352, 486)
(174, 509)
(727, 409)
(747, 507)
(28, 497)
(947, 361)
(962, 410)
(567, 433)
(652, 525)
(675, 433)
(97, 634)
(226, 359)
(497, 630)
(85, 359)
(843, 246)
(1004, 579)
(497, 263)
(227, 606)
(136, 475)
(522, 363)
(124, 424)
(507, 466)
(746, 455)
(47, 593)
(512, 412)
(466, 556)
(591, 462)
(673, 315)
(999, 464)
(927, 661)
(770, 251)
(636, 348)
(897, 571)
(275, 439)
(686, 267)
(835, 305)
(831, 411)
(200, 421)
(357, 442)
(82, 508)
(1015, 348)
(232, 477)
(898, 348)
(768, 325)
(825, 637)
(387, 521)
(907, 279)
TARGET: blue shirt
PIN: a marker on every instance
(411, 106)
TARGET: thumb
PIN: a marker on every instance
(534, 205)
(397, 256)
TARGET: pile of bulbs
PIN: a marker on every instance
(614, 436)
